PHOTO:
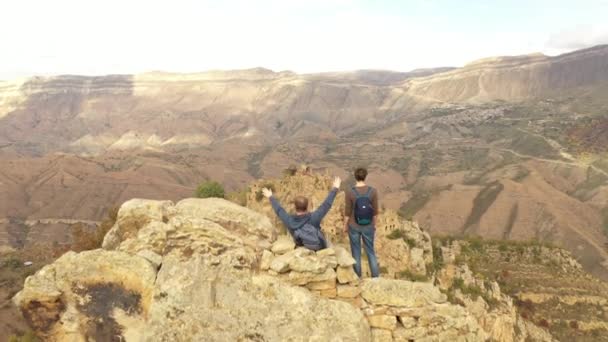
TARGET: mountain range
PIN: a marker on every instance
(505, 148)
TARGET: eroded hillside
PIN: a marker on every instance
(507, 148)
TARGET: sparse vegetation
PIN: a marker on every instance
(28, 336)
(408, 275)
(238, 197)
(400, 234)
(210, 189)
(290, 171)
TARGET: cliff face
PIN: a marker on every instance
(516, 78)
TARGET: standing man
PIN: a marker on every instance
(305, 226)
(360, 212)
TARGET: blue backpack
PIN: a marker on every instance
(310, 237)
(364, 210)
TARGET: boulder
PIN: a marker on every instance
(240, 220)
(132, 216)
(187, 300)
(328, 256)
(381, 335)
(322, 285)
(439, 322)
(281, 263)
(343, 257)
(283, 244)
(387, 322)
(218, 304)
(299, 278)
(348, 291)
(155, 259)
(66, 299)
(266, 260)
(310, 264)
(347, 275)
(403, 293)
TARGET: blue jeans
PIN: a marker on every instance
(367, 234)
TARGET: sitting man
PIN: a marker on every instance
(304, 226)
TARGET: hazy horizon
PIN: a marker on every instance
(188, 36)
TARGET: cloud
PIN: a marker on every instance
(579, 37)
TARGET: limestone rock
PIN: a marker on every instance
(155, 259)
(283, 244)
(322, 285)
(328, 256)
(346, 275)
(408, 322)
(63, 299)
(348, 291)
(280, 264)
(381, 335)
(344, 257)
(303, 278)
(439, 322)
(310, 264)
(228, 307)
(132, 216)
(387, 322)
(417, 262)
(329, 293)
(244, 222)
(266, 260)
(392, 292)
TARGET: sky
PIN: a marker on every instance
(94, 37)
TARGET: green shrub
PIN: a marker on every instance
(476, 244)
(408, 275)
(11, 262)
(210, 189)
(410, 242)
(396, 234)
(437, 263)
(458, 283)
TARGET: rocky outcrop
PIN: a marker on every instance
(177, 273)
(207, 269)
(401, 245)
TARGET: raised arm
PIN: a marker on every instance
(322, 210)
(276, 206)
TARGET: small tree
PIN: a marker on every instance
(210, 189)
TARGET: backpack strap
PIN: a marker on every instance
(358, 195)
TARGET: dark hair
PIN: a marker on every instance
(360, 174)
(301, 203)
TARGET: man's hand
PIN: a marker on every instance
(267, 192)
(337, 182)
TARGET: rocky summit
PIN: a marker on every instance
(211, 270)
